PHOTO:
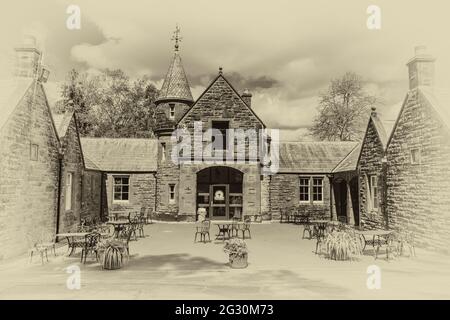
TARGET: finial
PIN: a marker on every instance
(220, 70)
(176, 37)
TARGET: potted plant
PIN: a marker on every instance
(113, 254)
(238, 253)
(342, 245)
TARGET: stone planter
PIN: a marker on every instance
(238, 261)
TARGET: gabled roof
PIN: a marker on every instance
(221, 76)
(312, 157)
(120, 155)
(350, 162)
(175, 85)
(62, 122)
(11, 92)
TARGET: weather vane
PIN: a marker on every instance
(176, 37)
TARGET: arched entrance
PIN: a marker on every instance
(219, 191)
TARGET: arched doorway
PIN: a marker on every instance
(219, 191)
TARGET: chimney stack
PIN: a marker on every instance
(28, 59)
(421, 68)
(247, 97)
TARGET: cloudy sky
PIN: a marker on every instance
(285, 52)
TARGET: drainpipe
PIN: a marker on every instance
(58, 206)
(101, 195)
(384, 189)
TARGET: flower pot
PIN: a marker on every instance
(238, 261)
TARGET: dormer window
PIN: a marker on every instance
(172, 111)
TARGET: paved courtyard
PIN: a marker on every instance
(168, 265)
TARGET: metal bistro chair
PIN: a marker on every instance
(235, 227)
(246, 228)
(320, 236)
(388, 242)
(203, 230)
(284, 215)
(90, 245)
(304, 220)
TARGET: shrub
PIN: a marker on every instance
(342, 245)
(236, 247)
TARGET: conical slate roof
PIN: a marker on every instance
(175, 84)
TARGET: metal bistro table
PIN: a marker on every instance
(119, 225)
(372, 237)
(319, 225)
(72, 244)
(225, 228)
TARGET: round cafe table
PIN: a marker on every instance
(118, 225)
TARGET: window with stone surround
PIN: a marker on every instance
(373, 192)
(172, 111)
(121, 188)
(171, 193)
(222, 126)
(163, 151)
(304, 189)
(317, 189)
(68, 193)
(34, 152)
(415, 155)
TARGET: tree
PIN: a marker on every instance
(343, 110)
(109, 104)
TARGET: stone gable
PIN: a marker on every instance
(417, 194)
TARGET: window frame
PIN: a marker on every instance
(172, 111)
(418, 155)
(34, 156)
(374, 205)
(121, 200)
(172, 193)
(316, 186)
(308, 186)
(68, 192)
(224, 134)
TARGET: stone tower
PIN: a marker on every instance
(28, 58)
(174, 99)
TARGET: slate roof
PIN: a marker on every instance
(120, 155)
(312, 157)
(439, 99)
(175, 85)
(350, 162)
(11, 92)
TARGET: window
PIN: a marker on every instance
(121, 188)
(163, 151)
(304, 189)
(415, 156)
(222, 126)
(68, 195)
(171, 193)
(374, 192)
(172, 111)
(34, 152)
(317, 189)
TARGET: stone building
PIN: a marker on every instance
(372, 166)
(418, 156)
(125, 173)
(29, 156)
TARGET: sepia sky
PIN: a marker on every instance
(285, 52)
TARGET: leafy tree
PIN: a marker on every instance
(109, 104)
(343, 110)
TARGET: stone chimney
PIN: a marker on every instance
(247, 97)
(28, 59)
(421, 68)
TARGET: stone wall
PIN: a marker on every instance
(28, 188)
(372, 152)
(418, 194)
(72, 163)
(285, 194)
(141, 194)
